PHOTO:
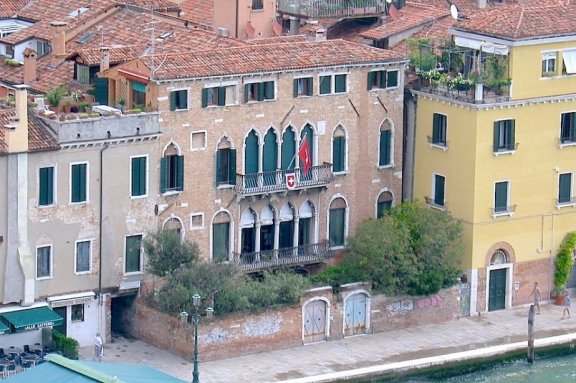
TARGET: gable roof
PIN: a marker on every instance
(522, 21)
(10, 7)
(39, 138)
(269, 58)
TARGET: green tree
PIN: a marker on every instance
(411, 250)
(166, 252)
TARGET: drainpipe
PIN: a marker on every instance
(101, 217)
(237, 10)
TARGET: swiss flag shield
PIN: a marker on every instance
(290, 180)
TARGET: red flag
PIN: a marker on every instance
(304, 155)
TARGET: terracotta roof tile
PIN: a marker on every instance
(270, 58)
(198, 11)
(10, 7)
(523, 21)
(38, 136)
(278, 40)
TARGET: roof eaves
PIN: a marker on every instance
(82, 369)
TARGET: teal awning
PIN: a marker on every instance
(32, 319)
(4, 329)
(138, 87)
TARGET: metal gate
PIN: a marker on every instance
(497, 290)
(315, 321)
(355, 315)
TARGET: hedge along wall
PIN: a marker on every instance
(282, 327)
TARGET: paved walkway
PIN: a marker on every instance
(495, 328)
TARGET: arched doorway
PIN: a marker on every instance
(315, 326)
(498, 280)
(356, 314)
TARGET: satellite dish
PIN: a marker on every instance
(389, 1)
(454, 12)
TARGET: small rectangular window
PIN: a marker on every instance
(565, 188)
(439, 129)
(78, 183)
(439, 190)
(172, 173)
(303, 87)
(196, 221)
(549, 64)
(215, 96)
(198, 140)
(382, 79)
(179, 100)
(568, 128)
(77, 313)
(225, 167)
(257, 5)
(333, 84)
(46, 186)
(133, 263)
(259, 91)
(504, 136)
(385, 149)
(44, 262)
(139, 176)
(83, 256)
(501, 204)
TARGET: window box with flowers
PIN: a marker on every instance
(460, 83)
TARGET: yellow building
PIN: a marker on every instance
(501, 155)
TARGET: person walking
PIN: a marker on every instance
(567, 302)
(98, 346)
(537, 296)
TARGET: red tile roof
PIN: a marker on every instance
(38, 136)
(523, 21)
(269, 58)
(8, 8)
(198, 11)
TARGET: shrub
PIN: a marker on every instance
(68, 347)
(12, 62)
(564, 262)
(55, 95)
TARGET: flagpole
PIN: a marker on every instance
(296, 152)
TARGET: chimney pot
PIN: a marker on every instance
(58, 41)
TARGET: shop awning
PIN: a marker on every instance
(4, 329)
(32, 319)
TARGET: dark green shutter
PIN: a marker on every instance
(173, 96)
(269, 88)
(232, 160)
(439, 185)
(295, 88)
(392, 79)
(435, 128)
(79, 183)
(246, 92)
(572, 127)
(565, 188)
(270, 152)
(204, 97)
(261, 91)
(501, 196)
(135, 177)
(221, 96)
(336, 229)
(220, 246)
(182, 99)
(371, 80)
(218, 171)
(511, 135)
(325, 84)
(101, 90)
(338, 146)
(251, 154)
(163, 174)
(340, 83)
(496, 134)
(179, 173)
(310, 87)
(385, 137)
(46, 192)
(288, 150)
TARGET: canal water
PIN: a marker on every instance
(553, 368)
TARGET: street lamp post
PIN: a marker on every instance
(196, 321)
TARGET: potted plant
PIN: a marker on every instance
(55, 95)
(121, 103)
(459, 82)
(67, 105)
(84, 105)
(563, 266)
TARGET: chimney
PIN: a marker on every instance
(104, 58)
(320, 34)
(30, 73)
(17, 130)
(481, 4)
(58, 42)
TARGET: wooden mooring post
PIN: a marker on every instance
(531, 334)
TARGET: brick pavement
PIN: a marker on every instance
(495, 328)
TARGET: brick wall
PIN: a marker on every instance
(282, 327)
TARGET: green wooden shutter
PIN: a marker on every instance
(496, 135)
(338, 155)
(371, 80)
(565, 188)
(295, 88)
(173, 96)
(251, 154)
(220, 241)
(336, 229)
(288, 150)
(183, 99)
(163, 174)
(310, 87)
(261, 91)
(325, 86)
(222, 96)
(180, 173)
(439, 185)
(340, 83)
(246, 92)
(385, 137)
(511, 135)
(101, 90)
(79, 183)
(204, 97)
(501, 196)
(436, 128)
(269, 87)
(270, 152)
(45, 189)
(572, 128)
(232, 167)
(391, 79)
(135, 177)
(218, 171)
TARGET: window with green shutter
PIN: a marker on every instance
(568, 128)
(259, 91)
(391, 79)
(501, 197)
(385, 152)
(338, 154)
(565, 188)
(225, 167)
(303, 87)
(220, 241)
(336, 224)
(340, 83)
(46, 186)
(178, 100)
(139, 176)
(133, 263)
(171, 173)
(251, 154)
(270, 158)
(325, 84)
(504, 136)
(78, 181)
(439, 189)
(288, 149)
(439, 129)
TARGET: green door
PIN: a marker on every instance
(497, 290)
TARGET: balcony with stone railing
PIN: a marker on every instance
(316, 9)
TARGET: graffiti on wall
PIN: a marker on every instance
(404, 307)
(267, 325)
(216, 336)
